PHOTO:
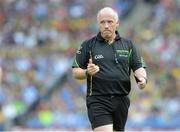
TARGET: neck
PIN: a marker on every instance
(110, 40)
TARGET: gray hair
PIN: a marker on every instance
(109, 10)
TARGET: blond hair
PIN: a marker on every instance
(109, 10)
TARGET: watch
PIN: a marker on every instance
(137, 79)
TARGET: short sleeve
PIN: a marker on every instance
(81, 57)
(136, 60)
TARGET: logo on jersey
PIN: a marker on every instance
(122, 53)
(79, 50)
(98, 57)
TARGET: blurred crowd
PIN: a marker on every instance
(38, 40)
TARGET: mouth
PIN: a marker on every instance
(107, 31)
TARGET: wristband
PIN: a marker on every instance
(137, 79)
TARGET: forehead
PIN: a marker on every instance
(107, 16)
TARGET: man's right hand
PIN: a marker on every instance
(92, 68)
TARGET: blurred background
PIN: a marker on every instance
(38, 41)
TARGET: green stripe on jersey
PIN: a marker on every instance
(75, 64)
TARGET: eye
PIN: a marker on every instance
(102, 22)
(110, 22)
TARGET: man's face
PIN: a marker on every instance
(107, 25)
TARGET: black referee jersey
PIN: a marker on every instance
(115, 62)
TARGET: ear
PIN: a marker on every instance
(117, 24)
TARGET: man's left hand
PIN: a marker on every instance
(142, 82)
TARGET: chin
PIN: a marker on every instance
(107, 35)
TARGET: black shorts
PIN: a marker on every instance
(104, 110)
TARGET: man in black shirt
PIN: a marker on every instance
(106, 61)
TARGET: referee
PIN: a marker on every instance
(106, 61)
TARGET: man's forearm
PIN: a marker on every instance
(141, 72)
(79, 73)
(141, 77)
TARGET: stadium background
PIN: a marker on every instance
(38, 39)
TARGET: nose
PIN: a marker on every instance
(106, 25)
